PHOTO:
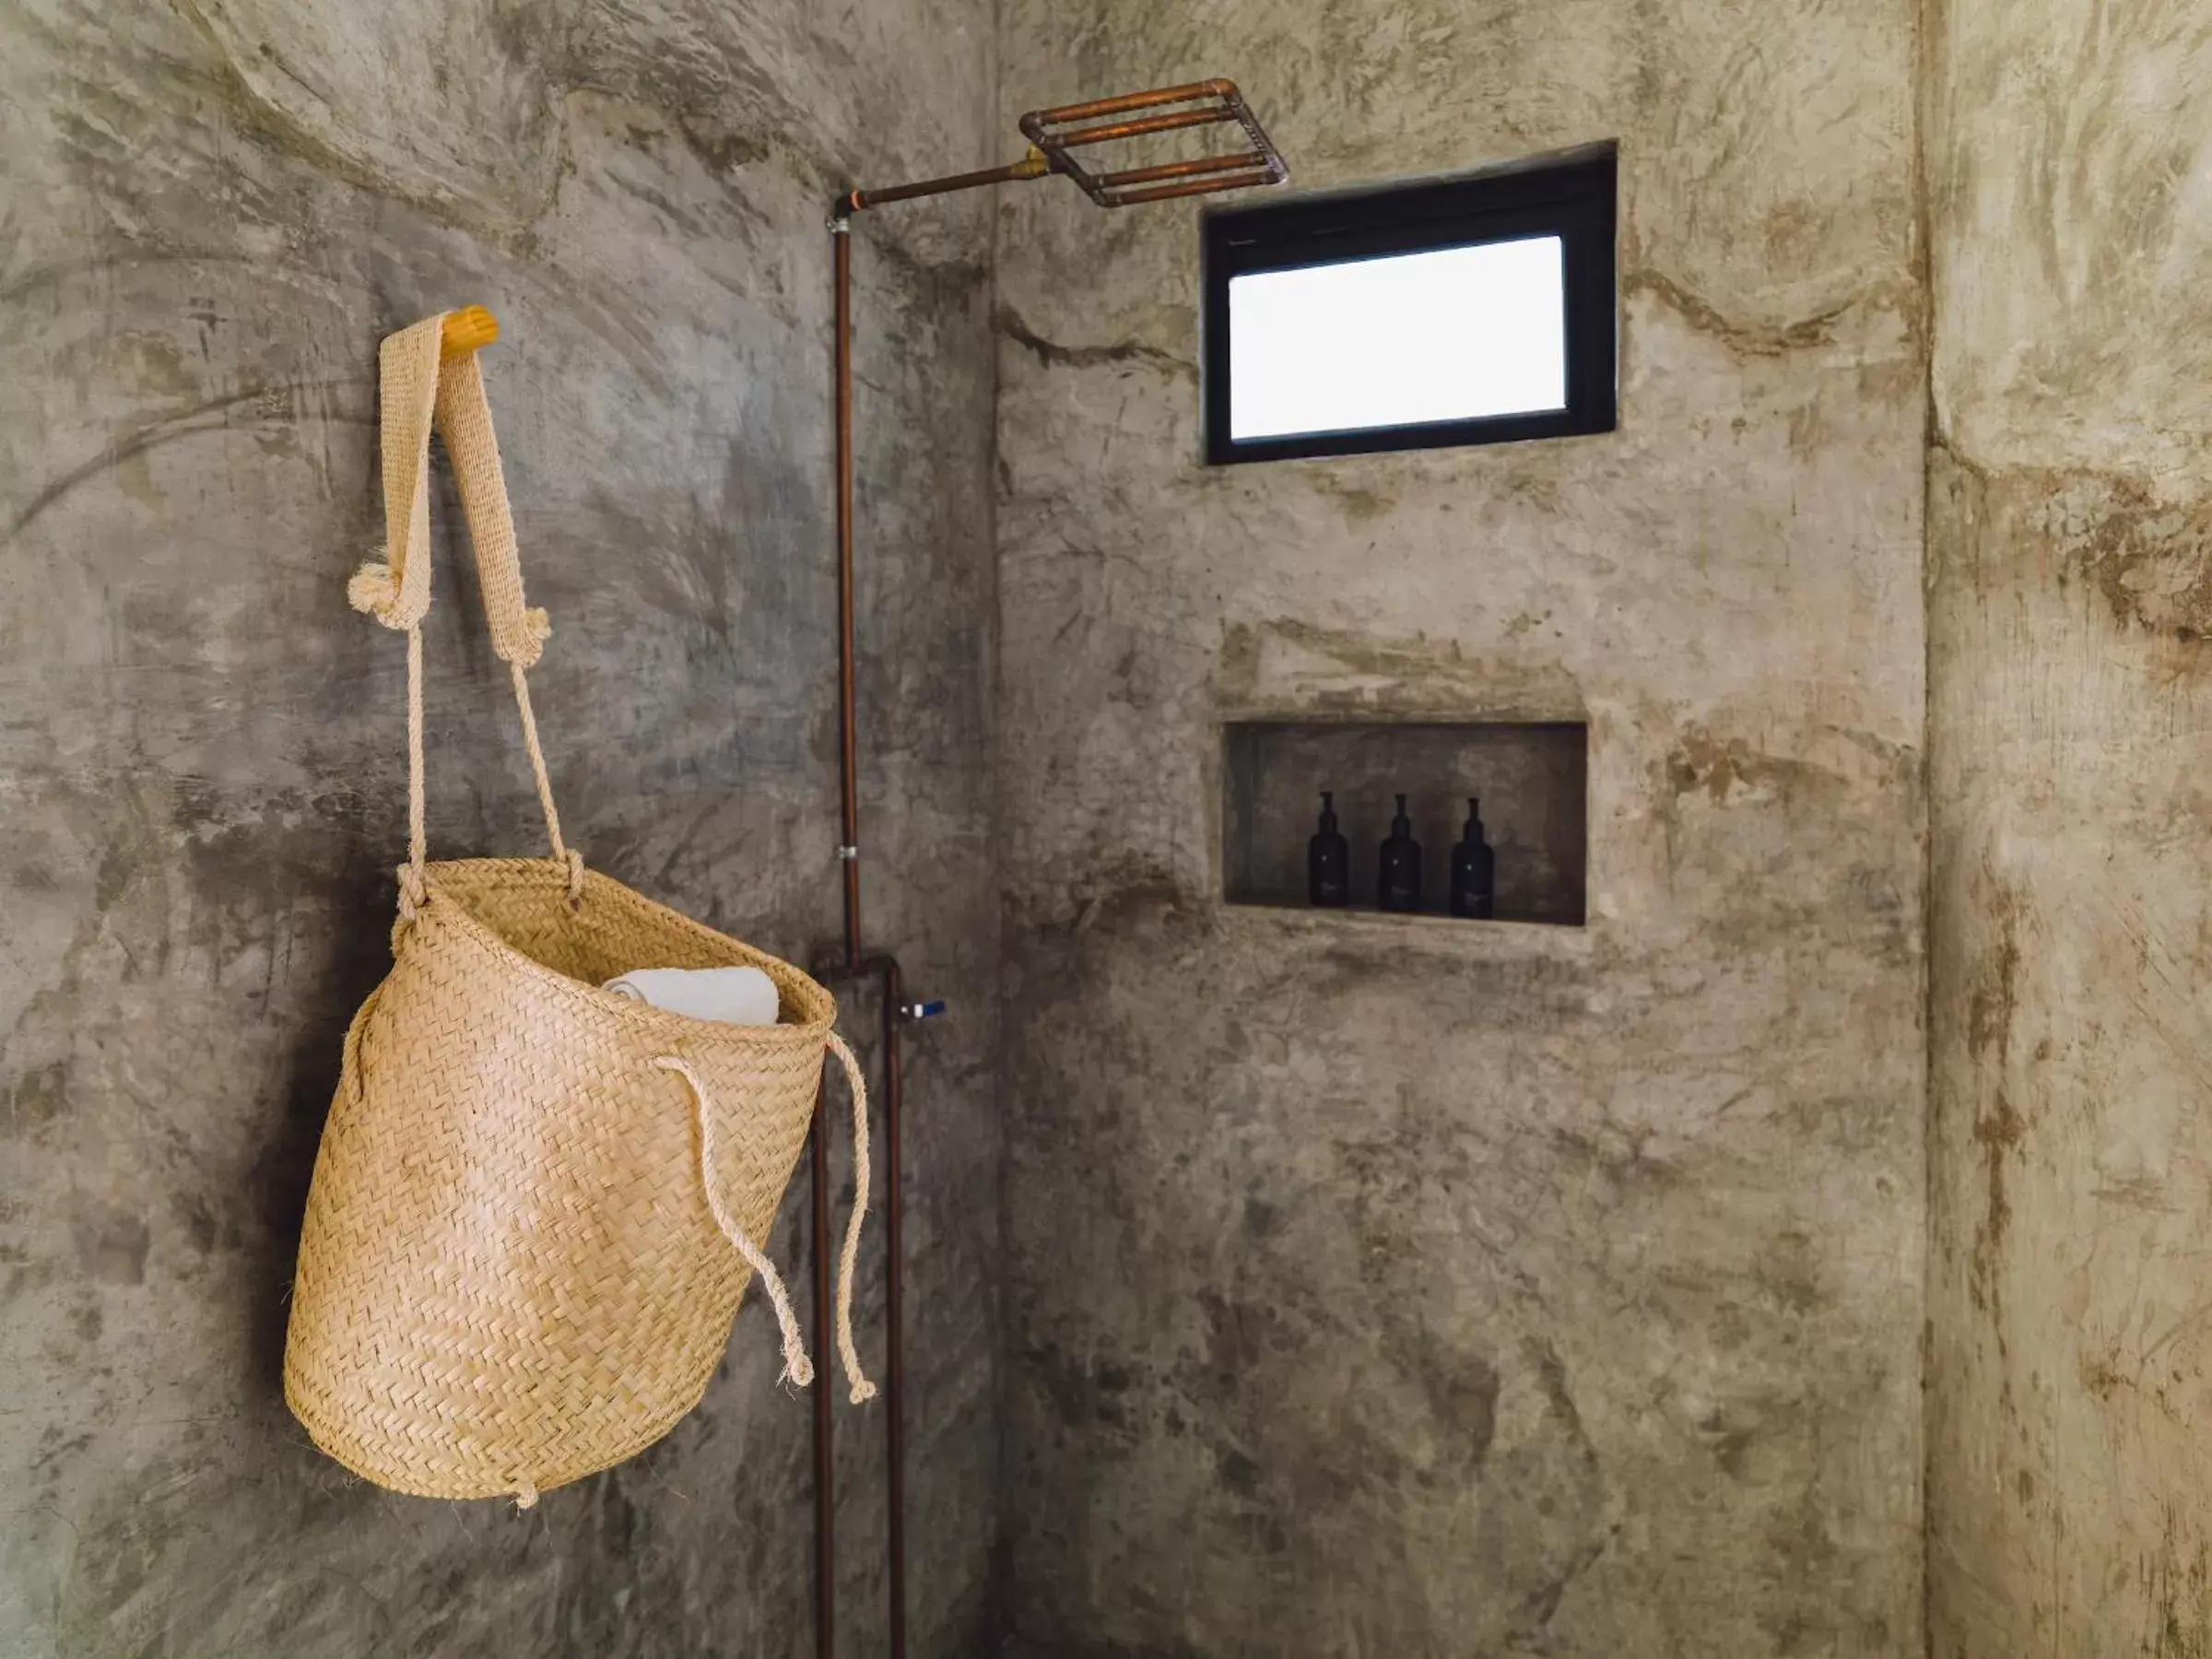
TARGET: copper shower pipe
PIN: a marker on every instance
(1031, 165)
(892, 979)
(1180, 170)
(1132, 198)
(825, 1427)
(857, 962)
(848, 741)
(1036, 165)
(1052, 133)
(1172, 121)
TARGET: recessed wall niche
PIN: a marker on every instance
(1533, 779)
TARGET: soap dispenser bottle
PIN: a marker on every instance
(1398, 879)
(1329, 860)
(1473, 869)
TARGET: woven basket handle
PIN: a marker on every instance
(419, 388)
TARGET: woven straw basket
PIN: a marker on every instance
(536, 1203)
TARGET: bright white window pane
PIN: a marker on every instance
(1452, 334)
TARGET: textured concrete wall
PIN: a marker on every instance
(1386, 1288)
(2070, 541)
(209, 212)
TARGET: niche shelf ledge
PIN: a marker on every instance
(1532, 776)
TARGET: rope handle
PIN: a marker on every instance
(419, 388)
(797, 1368)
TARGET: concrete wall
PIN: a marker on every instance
(1377, 1286)
(1386, 1288)
(2070, 545)
(210, 213)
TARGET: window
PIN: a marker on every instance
(1476, 310)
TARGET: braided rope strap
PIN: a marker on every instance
(419, 389)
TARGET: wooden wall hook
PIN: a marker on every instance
(469, 329)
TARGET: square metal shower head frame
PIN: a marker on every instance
(1057, 134)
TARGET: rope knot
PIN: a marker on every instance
(412, 893)
(537, 628)
(374, 591)
(798, 1370)
(526, 1493)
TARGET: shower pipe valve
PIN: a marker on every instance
(923, 1010)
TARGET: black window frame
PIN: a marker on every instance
(1573, 198)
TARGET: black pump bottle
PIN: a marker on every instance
(1398, 879)
(1473, 869)
(1328, 859)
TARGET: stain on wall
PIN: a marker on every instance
(210, 213)
(2069, 529)
(1392, 1288)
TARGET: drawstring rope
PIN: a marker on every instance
(796, 1366)
(856, 1082)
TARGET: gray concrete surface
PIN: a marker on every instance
(210, 213)
(1384, 1288)
(2070, 525)
(1368, 1287)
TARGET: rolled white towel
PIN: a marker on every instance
(730, 995)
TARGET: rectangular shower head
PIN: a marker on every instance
(1059, 134)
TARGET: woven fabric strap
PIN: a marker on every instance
(796, 1366)
(418, 389)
